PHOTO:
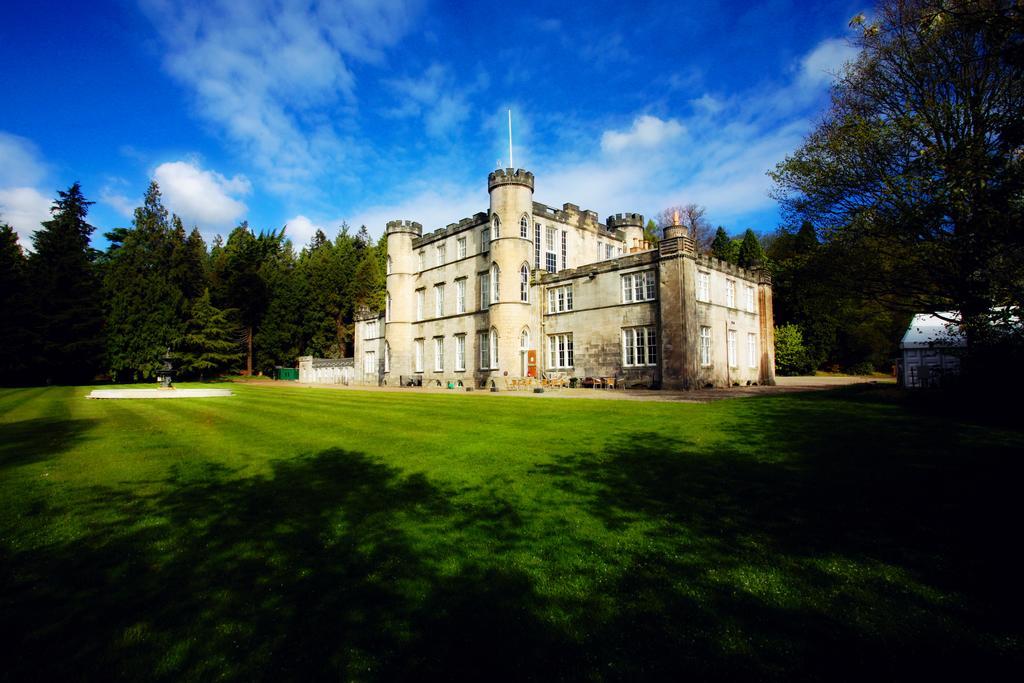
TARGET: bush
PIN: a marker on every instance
(791, 356)
(862, 368)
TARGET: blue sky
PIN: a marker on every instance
(309, 114)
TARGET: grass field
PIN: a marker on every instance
(293, 533)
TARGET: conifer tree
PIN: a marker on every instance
(210, 343)
(144, 303)
(68, 319)
(750, 254)
(14, 333)
(723, 247)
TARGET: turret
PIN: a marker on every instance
(632, 227)
(399, 305)
(512, 231)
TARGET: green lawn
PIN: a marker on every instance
(306, 534)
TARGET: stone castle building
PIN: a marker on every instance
(524, 289)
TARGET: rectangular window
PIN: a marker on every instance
(422, 260)
(438, 354)
(560, 299)
(536, 245)
(370, 363)
(560, 351)
(565, 248)
(638, 286)
(440, 254)
(549, 262)
(460, 247)
(730, 339)
(371, 330)
(460, 295)
(418, 355)
(730, 293)
(460, 352)
(608, 251)
(600, 250)
(752, 350)
(438, 300)
(419, 304)
(485, 291)
(750, 298)
(485, 351)
(705, 346)
(703, 287)
(639, 346)
(485, 239)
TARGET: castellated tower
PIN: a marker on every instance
(511, 192)
(401, 284)
(632, 227)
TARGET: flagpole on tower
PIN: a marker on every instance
(510, 164)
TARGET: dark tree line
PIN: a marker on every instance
(73, 314)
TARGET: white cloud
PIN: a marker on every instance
(646, 132)
(200, 196)
(820, 66)
(23, 208)
(433, 207)
(435, 96)
(22, 205)
(261, 70)
(301, 229)
(122, 204)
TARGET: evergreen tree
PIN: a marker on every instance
(368, 283)
(188, 262)
(62, 279)
(209, 345)
(750, 254)
(790, 354)
(723, 247)
(279, 339)
(14, 302)
(651, 231)
(144, 303)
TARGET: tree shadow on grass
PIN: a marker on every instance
(28, 441)
(315, 572)
(830, 538)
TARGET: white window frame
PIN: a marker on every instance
(703, 286)
(495, 227)
(494, 349)
(484, 339)
(524, 283)
(485, 239)
(387, 357)
(495, 283)
(422, 260)
(536, 245)
(560, 351)
(565, 249)
(420, 296)
(524, 227)
(634, 283)
(752, 349)
(371, 330)
(439, 300)
(438, 354)
(560, 299)
(460, 295)
(730, 293)
(750, 299)
(705, 346)
(370, 363)
(387, 308)
(460, 353)
(388, 271)
(730, 345)
(485, 291)
(417, 355)
(460, 247)
(639, 346)
(441, 254)
(550, 255)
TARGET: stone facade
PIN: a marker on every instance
(524, 289)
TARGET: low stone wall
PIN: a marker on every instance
(326, 370)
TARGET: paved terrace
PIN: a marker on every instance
(784, 385)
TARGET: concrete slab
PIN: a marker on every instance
(158, 393)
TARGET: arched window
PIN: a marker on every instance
(387, 357)
(494, 348)
(495, 228)
(524, 339)
(387, 308)
(524, 227)
(389, 266)
(495, 273)
(524, 283)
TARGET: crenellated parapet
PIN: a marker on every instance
(509, 176)
(398, 226)
(625, 220)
